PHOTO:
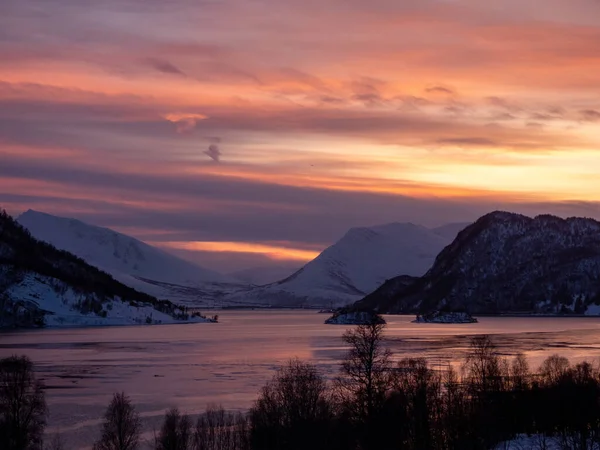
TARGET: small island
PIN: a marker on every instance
(345, 317)
(445, 317)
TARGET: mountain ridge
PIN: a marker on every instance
(115, 252)
(506, 262)
(263, 275)
(40, 285)
(361, 260)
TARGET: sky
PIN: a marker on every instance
(241, 133)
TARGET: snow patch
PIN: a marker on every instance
(593, 310)
(63, 306)
(355, 318)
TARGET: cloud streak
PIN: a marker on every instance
(164, 66)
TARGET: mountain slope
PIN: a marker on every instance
(40, 284)
(260, 276)
(116, 253)
(507, 262)
(355, 265)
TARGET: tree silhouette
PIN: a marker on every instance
(366, 371)
(22, 405)
(121, 428)
(176, 432)
(292, 411)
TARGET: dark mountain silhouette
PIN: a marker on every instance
(505, 263)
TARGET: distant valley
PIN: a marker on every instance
(356, 265)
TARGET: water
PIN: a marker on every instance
(191, 365)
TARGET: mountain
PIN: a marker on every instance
(259, 276)
(357, 264)
(114, 252)
(506, 263)
(41, 285)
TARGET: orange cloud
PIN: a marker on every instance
(458, 101)
(271, 251)
(185, 122)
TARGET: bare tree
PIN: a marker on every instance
(22, 405)
(483, 367)
(218, 429)
(293, 410)
(553, 368)
(176, 432)
(456, 405)
(367, 373)
(420, 389)
(121, 429)
(519, 372)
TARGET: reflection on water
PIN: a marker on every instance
(191, 365)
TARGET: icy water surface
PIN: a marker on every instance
(189, 365)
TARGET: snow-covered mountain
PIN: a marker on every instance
(345, 272)
(507, 262)
(355, 265)
(126, 258)
(41, 285)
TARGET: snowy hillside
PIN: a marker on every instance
(41, 285)
(63, 306)
(259, 276)
(122, 256)
(357, 264)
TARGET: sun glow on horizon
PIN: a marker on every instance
(275, 252)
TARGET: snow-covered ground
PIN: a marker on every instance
(64, 310)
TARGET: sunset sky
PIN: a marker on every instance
(242, 133)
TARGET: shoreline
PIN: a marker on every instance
(258, 310)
